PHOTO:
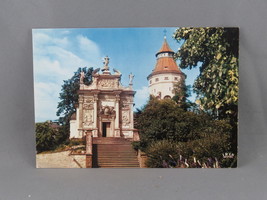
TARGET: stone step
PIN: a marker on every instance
(119, 167)
(114, 153)
(118, 161)
(111, 140)
(115, 149)
(119, 164)
(117, 158)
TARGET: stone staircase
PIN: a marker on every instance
(114, 153)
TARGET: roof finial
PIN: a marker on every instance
(165, 31)
(105, 68)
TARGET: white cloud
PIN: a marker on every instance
(141, 96)
(89, 49)
(55, 59)
(45, 104)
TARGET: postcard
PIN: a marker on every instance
(161, 97)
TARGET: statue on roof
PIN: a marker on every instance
(82, 76)
(106, 62)
(117, 72)
(95, 71)
(131, 77)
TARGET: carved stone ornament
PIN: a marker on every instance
(88, 100)
(126, 106)
(108, 83)
(88, 119)
(125, 118)
(88, 106)
(107, 110)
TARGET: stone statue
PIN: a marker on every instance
(82, 76)
(117, 72)
(106, 62)
(96, 71)
(131, 77)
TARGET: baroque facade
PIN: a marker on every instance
(165, 75)
(105, 107)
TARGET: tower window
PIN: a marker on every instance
(157, 79)
(166, 78)
(150, 81)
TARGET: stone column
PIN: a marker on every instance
(131, 114)
(95, 115)
(80, 115)
(117, 119)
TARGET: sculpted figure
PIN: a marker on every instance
(116, 71)
(106, 62)
(131, 77)
(82, 76)
(96, 71)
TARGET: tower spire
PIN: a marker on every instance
(165, 31)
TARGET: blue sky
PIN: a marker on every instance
(57, 54)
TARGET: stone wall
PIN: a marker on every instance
(60, 160)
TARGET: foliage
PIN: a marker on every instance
(47, 137)
(160, 151)
(166, 129)
(181, 94)
(164, 119)
(168, 154)
(69, 95)
(216, 51)
(76, 142)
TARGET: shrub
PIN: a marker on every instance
(162, 151)
(48, 137)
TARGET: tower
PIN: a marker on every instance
(165, 74)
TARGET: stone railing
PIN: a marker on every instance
(142, 158)
(136, 136)
(89, 149)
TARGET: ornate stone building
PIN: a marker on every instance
(105, 107)
(165, 74)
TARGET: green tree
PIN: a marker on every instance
(215, 50)
(47, 137)
(69, 95)
(164, 119)
(164, 122)
(181, 94)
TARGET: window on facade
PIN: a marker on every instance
(157, 79)
(150, 82)
(176, 78)
(166, 78)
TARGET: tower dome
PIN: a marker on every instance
(165, 74)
